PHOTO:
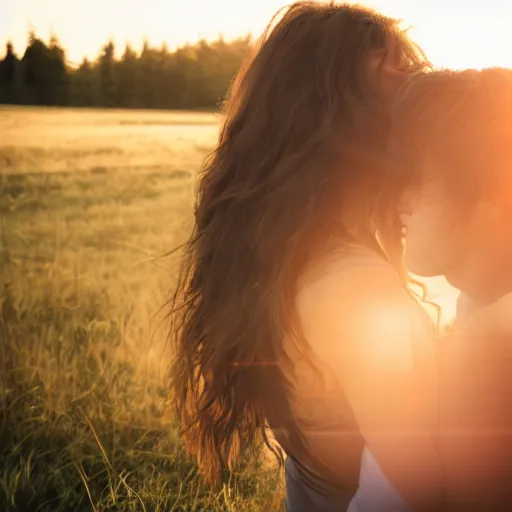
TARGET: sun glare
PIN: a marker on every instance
(456, 33)
(463, 48)
(387, 332)
(453, 33)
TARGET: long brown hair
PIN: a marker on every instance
(302, 124)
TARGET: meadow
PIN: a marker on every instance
(91, 204)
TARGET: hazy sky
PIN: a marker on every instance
(456, 33)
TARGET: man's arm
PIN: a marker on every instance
(476, 424)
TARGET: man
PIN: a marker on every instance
(454, 129)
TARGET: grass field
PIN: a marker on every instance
(90, 202)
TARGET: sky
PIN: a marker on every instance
(454, 33)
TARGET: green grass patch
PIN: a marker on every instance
(86, 420)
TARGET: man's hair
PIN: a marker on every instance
(462, 120)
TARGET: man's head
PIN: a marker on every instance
(452, 131)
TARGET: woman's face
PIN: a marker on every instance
(437, 236)
(387, 70)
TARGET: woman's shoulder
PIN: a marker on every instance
(354, 275)
(357, 305)
(350, 294)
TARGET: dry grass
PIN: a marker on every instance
(89, 203)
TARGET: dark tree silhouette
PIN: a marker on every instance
(106, 68)
(83, 86)
(191, 77)
(44, 73)
(57, 71)
(8, 72)
(126, 78)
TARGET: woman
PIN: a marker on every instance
(292, 308)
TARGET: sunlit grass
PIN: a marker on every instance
(86, 422)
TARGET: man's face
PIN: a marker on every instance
(438, 236)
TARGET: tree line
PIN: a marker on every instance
(190, 77)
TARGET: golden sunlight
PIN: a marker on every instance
(453, 33)
(456, 33)
(387, 331)
(108, 112)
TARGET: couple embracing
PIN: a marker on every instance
(346, 162)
